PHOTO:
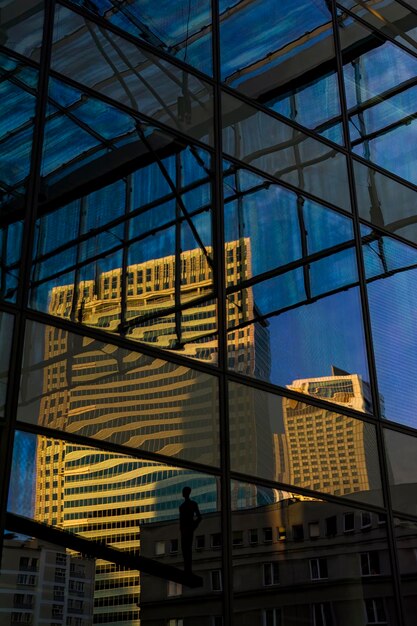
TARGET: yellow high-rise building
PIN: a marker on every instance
(326, 451)
(103, 392)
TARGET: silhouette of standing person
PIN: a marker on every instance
(190, 517)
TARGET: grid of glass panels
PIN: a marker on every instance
(207, 279)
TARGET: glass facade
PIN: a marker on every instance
(208, 281)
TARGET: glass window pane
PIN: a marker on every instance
(290, 65)
(277, 149)
(402, 470)
(406, 537)
(385, 202)
(391, 273)
(183, 30)
(268, 226)
(22, 25)
(134, 77)
(127, 503)
(300, 341)
(290, 577)
(393, 19)
(75, 384)
(10, 249)
(134, 249)
(18, 85)
(380, 91)
(299, 444)
(6, 334)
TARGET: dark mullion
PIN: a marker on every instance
(373, 381)
(177, 193)
(7, 435)
(198, 467)
(304, 491)
(121, 342)
(239, 164)
(220, 282)
(78, 266)
(178, 260)
(405, 121)
(109, 446)
(299, 166)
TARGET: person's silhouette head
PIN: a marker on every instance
(186, 492)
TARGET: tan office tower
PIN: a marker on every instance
(325, 451)
(106, 393)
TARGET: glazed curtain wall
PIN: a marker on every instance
(208, 256)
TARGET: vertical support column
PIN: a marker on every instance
(219, 276)
(367, 327)
(178, 261)
(31, 201)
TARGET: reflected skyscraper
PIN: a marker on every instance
(127, 398)
(324, 451)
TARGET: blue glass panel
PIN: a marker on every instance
(379, 80)
(154, 247)
(49, 236)
(100, 210)
(64, 142)
(131, 76)
(287, 154)
(391, 272)
(324, 228)
(268, 219)
(289, 65)
(316, 340)
(384, 255)
(22, 27)
(266, 297)
(149, 184)
(184, 31)
(201, 225)
(196, 165)
(390, 18)
(386, 202)
(10, 248)
(163, 213)
(18, 102)
(333, 272)
(274, 225)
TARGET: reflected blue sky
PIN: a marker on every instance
(307, 341)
